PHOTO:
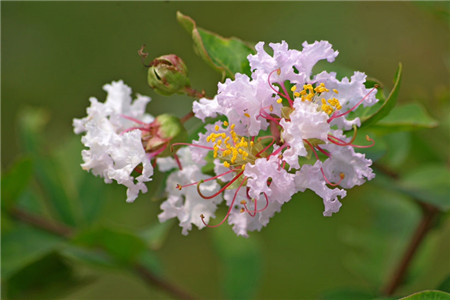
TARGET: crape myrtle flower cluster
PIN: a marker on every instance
(277, 132)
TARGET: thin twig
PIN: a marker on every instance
(56, 228)
(195, 94)
(429, 213)
(68, 232)
(187, 117)
(151, 279)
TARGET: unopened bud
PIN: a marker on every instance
(166, 130)
(167, 75)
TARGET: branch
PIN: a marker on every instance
(429, 212)
(55, 228)
(68, 232)
(151, 279)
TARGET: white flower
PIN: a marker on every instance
(306, 122)
(312, 53)
(283, 59)
(113, 153)
(310, 177)
(344, 160)
(207, 108)
(241, 219)
(186, 204)
(350, 93)
(281, 187)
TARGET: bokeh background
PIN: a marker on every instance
(55, 55)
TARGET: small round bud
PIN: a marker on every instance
(166, 130)
(167, 75)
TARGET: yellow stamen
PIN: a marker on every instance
(216, 127)
(279, 100)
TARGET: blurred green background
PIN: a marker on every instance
(55, 55)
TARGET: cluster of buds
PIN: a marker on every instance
(267, 137)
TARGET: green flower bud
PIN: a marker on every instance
(167, 75)
(165, 130)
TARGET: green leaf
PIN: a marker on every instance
(15, 181)
(226, 55)
(445, 285)
(428, 295)
(24, 245)
(241, 263)
(406, 117)
(47, 278)
(31, 123)
(91, 257)
(398, 145)
(91, 197)
(125, 247)
(156, 234)
(151, 262)
(429, 184)
(384, 107)
(352, 294)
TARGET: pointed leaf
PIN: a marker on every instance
(24, 245)
(352, 294)
(31, 123)
(91, 257)
(125, 247)
(48, 278)
(384, 107)
(15, 181)
(226, 55)
(430, 184)
(428, 295)
(406, 117)
(445, 285)
(156, 234)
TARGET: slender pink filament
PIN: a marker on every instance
(177, 159)
(211, 178)
(321, 169)
(133, 128)
(279, 150)
(193, 145)
(334, 116)
(134, 120)
(288, 97)
(229, 210)
(271, 86)
(221, 190)
(257, 210)
(160, 150)
(268, 146)
(323, 151)
(342, 143)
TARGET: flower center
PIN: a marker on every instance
(313, 94)
(235, 151)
